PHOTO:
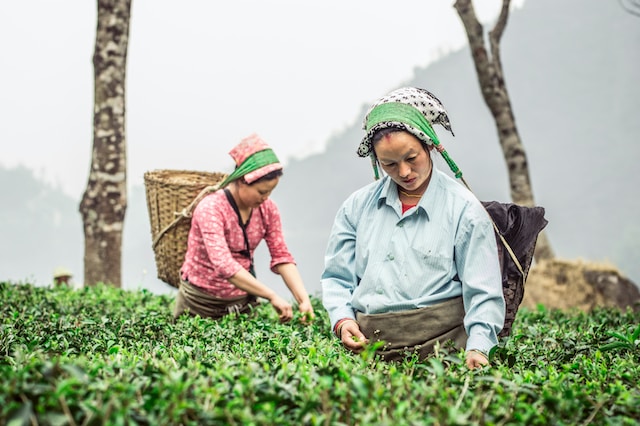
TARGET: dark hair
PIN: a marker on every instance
(269, 176)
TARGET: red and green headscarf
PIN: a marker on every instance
(254, 159)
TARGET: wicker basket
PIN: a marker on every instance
(171, 197)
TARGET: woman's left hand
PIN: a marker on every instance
(476, 359)
(306, 309)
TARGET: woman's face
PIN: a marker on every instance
(251, 196)
(405, 159)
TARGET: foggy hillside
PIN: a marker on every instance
(572, 69)
(40, 228)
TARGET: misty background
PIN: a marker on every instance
(572, 69)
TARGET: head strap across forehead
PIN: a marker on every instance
(396, 112)
(252, 163)
(402, 113)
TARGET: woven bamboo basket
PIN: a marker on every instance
(171, 197)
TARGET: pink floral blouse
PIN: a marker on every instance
(216, 240)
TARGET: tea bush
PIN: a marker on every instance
(102, 355)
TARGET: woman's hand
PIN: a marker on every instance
(282, 307)
(476, 359)
(351, 336)
(293, 280)
(306, 309)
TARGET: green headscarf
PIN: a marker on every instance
(254, 162)
(396, 112)
(401, 113)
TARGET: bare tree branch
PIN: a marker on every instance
(495, 36)
(633, 8)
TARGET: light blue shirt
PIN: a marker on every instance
(381, 260)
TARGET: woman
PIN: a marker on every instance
(218, 277)
(412, 258)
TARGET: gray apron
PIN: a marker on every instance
(195, 301)
(415, 330)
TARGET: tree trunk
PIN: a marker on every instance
(104, 201)
(494, 91)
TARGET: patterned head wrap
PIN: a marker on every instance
(254, 159)
(409, 108)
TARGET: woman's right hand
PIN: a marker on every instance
(351, 336)
(282, 307)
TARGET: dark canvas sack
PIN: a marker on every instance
(517, 228)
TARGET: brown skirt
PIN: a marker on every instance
(195, 301)
(416, 330)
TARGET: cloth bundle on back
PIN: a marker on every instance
(448, 285)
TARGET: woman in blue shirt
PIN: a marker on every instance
(412, 258)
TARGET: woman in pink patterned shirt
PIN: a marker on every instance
(227, 225)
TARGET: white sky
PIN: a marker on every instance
(203, 74)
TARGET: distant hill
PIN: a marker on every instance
(41, 229)
(572, 69)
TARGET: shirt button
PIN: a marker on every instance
(379, 290)
(390, 257)
(401, 224)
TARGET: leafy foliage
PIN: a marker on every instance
(104, 355)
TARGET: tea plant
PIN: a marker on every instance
(630, 340)
(101, 355)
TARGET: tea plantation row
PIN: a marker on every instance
(101, 355)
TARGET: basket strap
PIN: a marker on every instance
(508, 247)
(247, 251)
(185, 213)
